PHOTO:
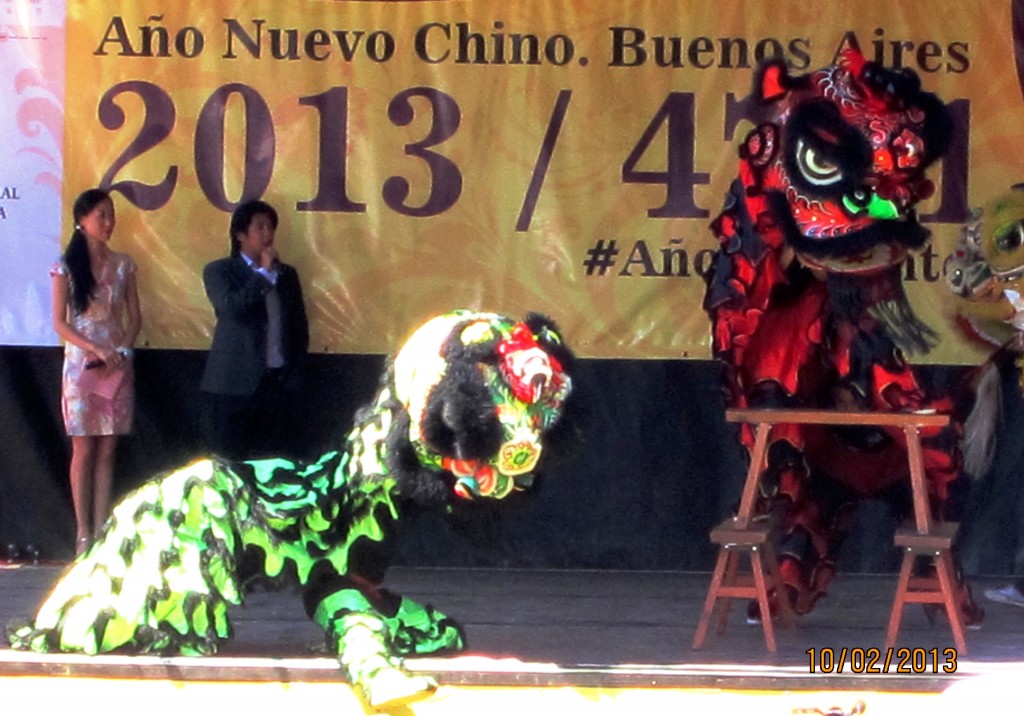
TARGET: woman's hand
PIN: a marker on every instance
(110, 358)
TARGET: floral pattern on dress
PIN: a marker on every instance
(98, 401)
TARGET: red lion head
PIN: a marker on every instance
(839, 158)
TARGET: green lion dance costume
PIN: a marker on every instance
(462, 413)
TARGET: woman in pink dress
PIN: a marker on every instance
(96, 313)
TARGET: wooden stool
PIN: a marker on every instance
(727, 583)
(740, 535)
(936, 545)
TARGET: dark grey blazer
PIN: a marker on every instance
(237, 358)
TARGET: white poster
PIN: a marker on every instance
(31, 163)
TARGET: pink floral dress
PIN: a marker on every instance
(98, 400)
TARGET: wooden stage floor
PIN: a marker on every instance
(604, 630)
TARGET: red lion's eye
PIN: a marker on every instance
(815, 167)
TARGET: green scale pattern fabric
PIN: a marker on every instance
(163, 574)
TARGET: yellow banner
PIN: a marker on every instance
(563, 157)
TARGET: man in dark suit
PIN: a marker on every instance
(253, 369)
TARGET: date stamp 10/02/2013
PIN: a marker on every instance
(891, 660)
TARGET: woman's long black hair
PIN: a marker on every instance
(76, 255)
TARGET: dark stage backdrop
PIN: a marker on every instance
(656, 469)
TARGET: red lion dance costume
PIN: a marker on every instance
(807, 301)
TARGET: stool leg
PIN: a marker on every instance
(709, 601)
(757, 565)
(731, 567)
(944, 570)
(898, 602)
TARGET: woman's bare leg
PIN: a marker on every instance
(83, 460)
(103, 475)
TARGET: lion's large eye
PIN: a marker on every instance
(956, 280)
(1012, 239)
(815, 167)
